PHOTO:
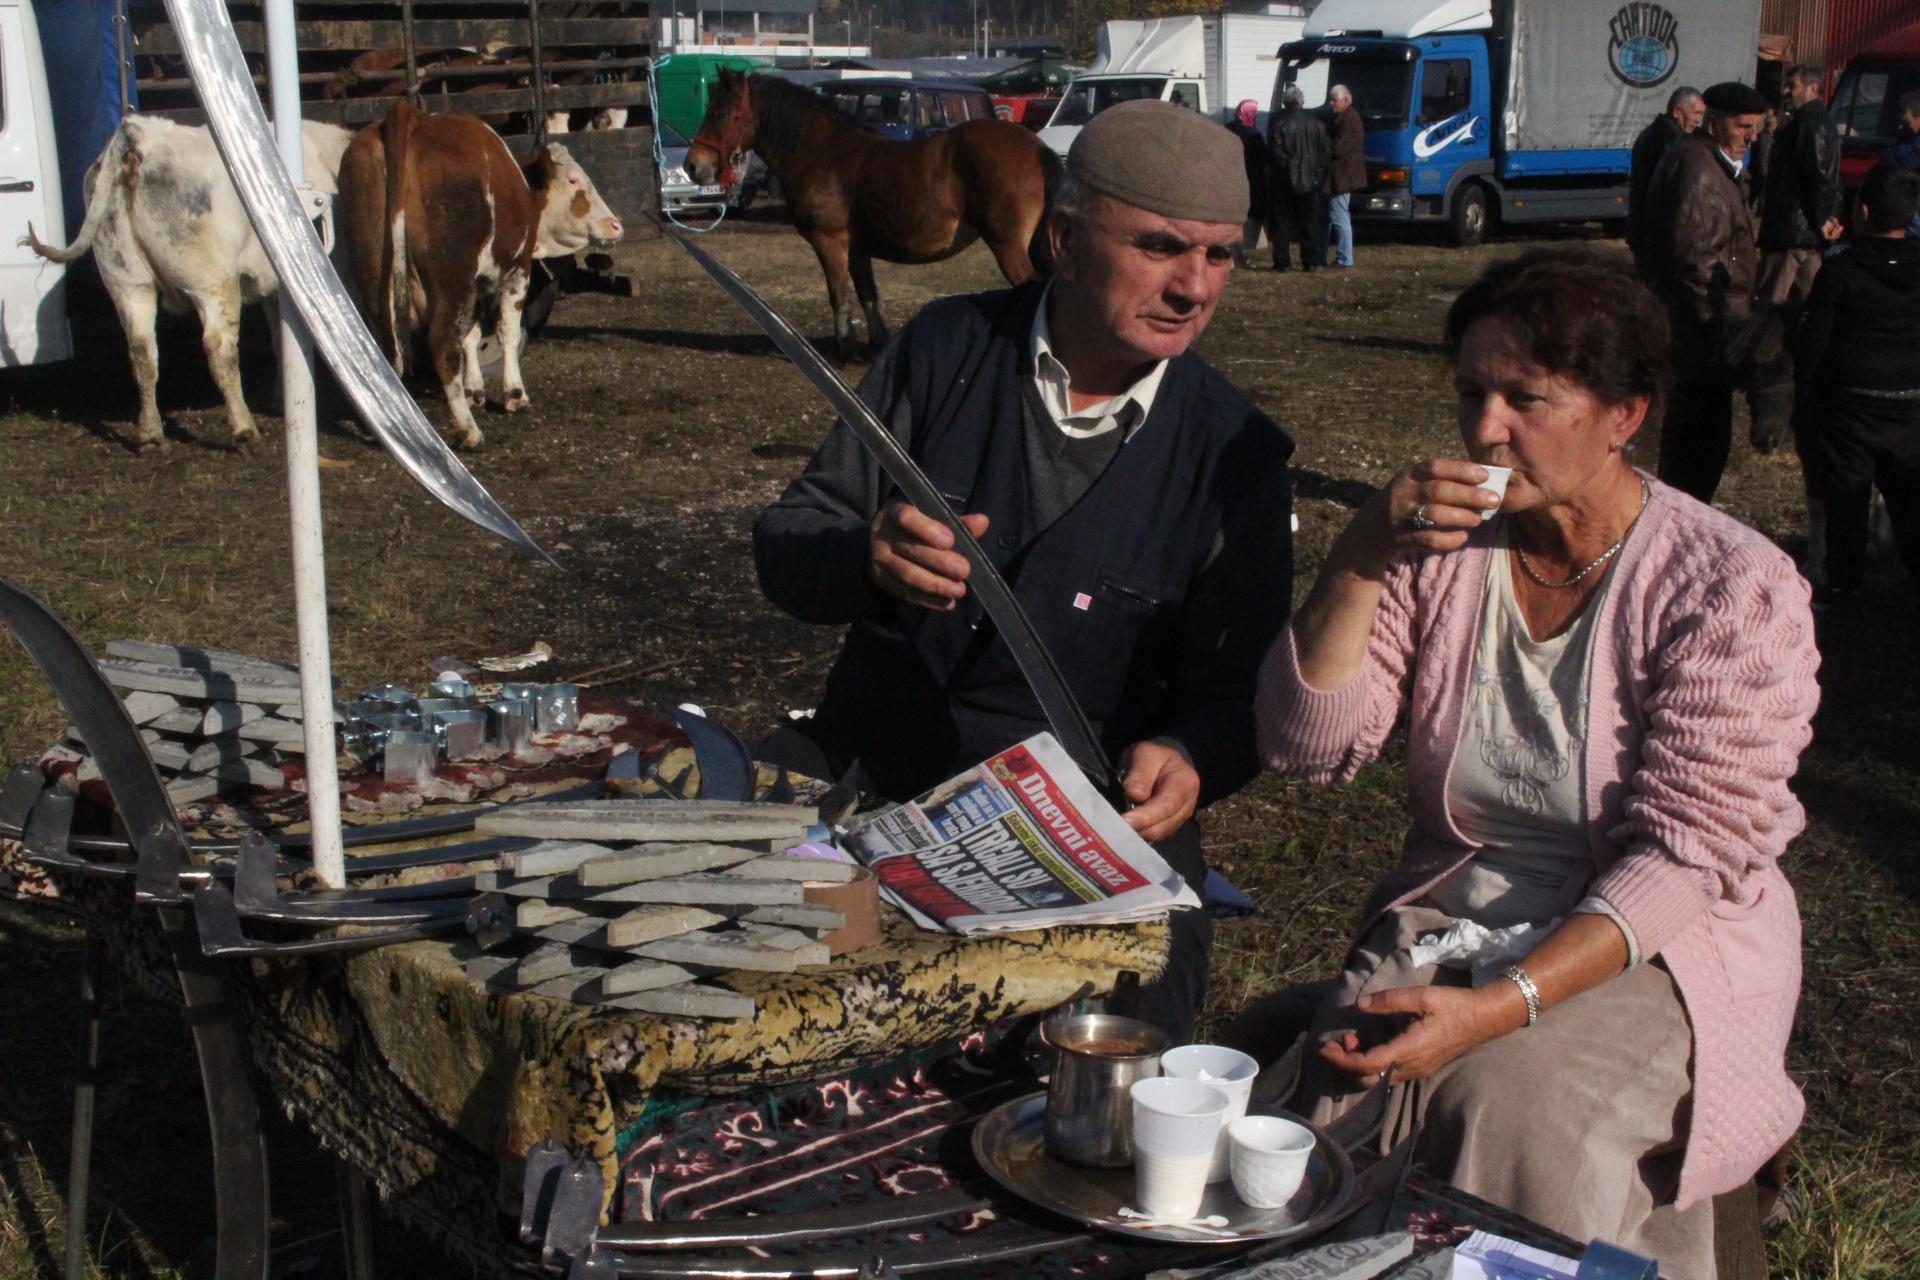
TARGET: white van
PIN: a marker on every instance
(33, 292)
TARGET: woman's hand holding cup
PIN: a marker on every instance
(1431, 506)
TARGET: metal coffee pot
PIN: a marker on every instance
(1097, 1057)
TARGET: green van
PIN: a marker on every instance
(681, 81)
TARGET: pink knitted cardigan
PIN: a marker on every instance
(1701, 696)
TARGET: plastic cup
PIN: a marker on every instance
(1228, 1070)
(1496, 484)
(1269, 1159)
(1175, 1126)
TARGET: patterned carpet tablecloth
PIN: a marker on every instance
(438, 1087)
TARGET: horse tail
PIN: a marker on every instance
(1040, 245)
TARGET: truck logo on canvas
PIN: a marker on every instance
(1424, 144)
(1644, 46)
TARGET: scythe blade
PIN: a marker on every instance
(1049, 687)
(247, 147)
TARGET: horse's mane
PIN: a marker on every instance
(785, 109)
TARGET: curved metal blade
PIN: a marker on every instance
(246, 144)
(1057, 702)
(155, 833)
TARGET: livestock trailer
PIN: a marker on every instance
(530, 69)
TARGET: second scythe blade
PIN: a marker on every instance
(1049, 687)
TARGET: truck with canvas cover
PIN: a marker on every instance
(1209, 62)
(1522, 108)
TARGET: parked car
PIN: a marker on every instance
(908, 109)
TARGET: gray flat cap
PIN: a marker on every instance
(1165, 159)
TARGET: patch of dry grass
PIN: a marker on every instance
(660, 425)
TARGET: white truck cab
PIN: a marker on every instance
(1158, 58)
(33, 292)
(1209, 63)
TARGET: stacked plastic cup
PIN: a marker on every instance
(1228, 1070)
(1176, 1124)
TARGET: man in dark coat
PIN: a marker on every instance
(1297, 186)
(1858, 417)
(1346, 171)
(1244, 126)
(1799, 214)
(1682, 116)
(1701, 259)
(1136, 502)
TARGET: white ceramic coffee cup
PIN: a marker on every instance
(1228, 1070)
(1176, 1124)
(1496, 484)
(1269, 1159)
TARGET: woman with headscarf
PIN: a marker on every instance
(1245, 125)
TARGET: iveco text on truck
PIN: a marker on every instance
(1521, 109)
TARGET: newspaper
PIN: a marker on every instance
(1020, 841)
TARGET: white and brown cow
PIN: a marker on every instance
(436, 216)
(167, 229)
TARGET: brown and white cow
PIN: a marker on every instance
(167, 229)
(435, 217)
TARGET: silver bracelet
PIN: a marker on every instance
(1528, 992)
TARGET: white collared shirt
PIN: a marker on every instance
(1126, 411)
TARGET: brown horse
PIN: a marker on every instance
(857, 196)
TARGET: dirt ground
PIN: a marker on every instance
(660, 425)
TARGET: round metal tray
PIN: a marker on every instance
(1010, 1144)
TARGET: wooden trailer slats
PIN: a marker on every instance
(428, 33)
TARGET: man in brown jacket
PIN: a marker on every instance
(1701, 259)
(1346, 171)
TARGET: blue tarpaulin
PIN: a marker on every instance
(83, 80)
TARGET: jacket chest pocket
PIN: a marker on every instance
(1118, 629)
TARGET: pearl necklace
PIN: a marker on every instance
(1602, 558)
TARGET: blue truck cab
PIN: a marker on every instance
(1515, 110)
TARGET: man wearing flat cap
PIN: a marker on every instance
(1136, 502)
(1701, 258)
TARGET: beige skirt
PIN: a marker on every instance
(1579, 1122)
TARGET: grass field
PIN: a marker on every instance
(660, 425)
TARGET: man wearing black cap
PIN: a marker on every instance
(1137, 503)
(1700, 257)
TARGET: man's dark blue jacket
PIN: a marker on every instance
(1158, 591)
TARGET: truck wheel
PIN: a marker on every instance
(1467, 225)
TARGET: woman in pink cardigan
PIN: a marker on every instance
(1583, 970)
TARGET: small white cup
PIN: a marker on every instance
(1176, 1124)
(1228, 1070)
(1269, 1159)
(1496, 484)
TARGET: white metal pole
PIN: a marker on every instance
(303, 486)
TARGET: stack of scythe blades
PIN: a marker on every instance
(628, 904)
(635, 904)
(213, 721)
